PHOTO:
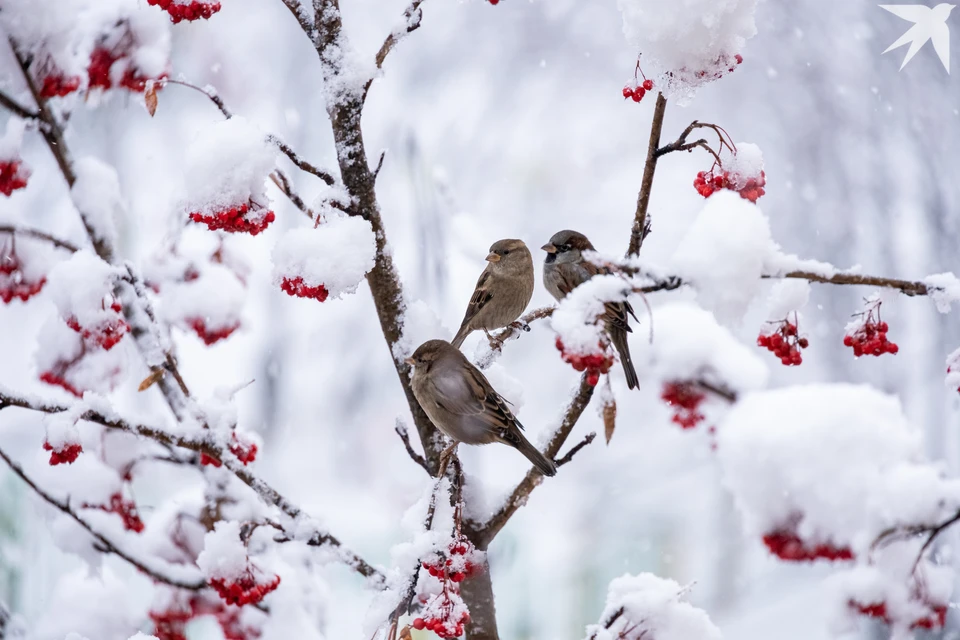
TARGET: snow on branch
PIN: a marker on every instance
(301, 526)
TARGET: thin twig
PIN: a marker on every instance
(401, 430)
(105, 544)
(412, 17)
(17, 108)
(580, 445)
(514, 329)
(39, 235)
(907, 287)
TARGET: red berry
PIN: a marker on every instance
(648, 85)
(638, 94)
(627, 92)
(418, 624)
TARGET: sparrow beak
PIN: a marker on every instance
(410, 361)
(549, 248)
(492, 257)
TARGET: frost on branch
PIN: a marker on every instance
(226, 173)
(819, 471)
(688, 43)
(330, 260)
(725, 253)
(944, 290)
(228, 569)
(647, 607)
(96, 193)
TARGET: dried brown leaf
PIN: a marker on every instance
(150, 99)
(609, 419)
(151, 379)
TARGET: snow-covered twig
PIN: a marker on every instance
(103, 543)
(580, 445)
(17, 108)
(267, 494)
(411, 22)
(38, 235)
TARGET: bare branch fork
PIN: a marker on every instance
(266, 493)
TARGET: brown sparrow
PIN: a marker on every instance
(502, 292)
(460, 402)
(565, 269)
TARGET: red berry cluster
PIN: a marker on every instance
(685, 398)
(211, 336)
(494, 2)
(784, 343)
(171, 623)
(192, 11)
(13, 282)
(786, 545)
(935, 620)
(98, 72)
(445, 615)
(13, 176)
(106, 334)
(637, 91)
(126, 509)
(594, 364)
(868, 337)
(708, 182)
(57, 377)
(297, 287)
(246, 590)
(66, 454)
(232, 220)
(56, 85)
(246, 453)
(456, 564)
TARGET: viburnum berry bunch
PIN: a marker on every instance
(226, 563)
(298, 288)
(14, 282)
(787, 545)
(106, 333)
(637, 89)
(100, 70)
(13, 176)
(935, 619)
(171, 621)
(445, 614)
(193, 10)
(458, 563)
(236, 219)
(784, 341)
(594, 364)
(249, 588)
(867, 334)
(211, 335)
(685, 398)
(126, 509)
(57, 85)
(64, 454)
(709, 182)
(246, 452)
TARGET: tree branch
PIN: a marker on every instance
(38, 235)
(580, 445)
(401, 430)
(412, 17)
(907, 287)
(484, 533)
(103, 542)
(266, 493)
(17, 108)
(649, 169)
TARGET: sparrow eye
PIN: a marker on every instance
(506, 251)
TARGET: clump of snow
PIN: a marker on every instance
(833, 464)
(224, 555)
(227, 166)
(215, 296)
(744, 165)
(338, 254)
(944, 290)
(81, 287)
(652, 607)
(787, 296)
(578, 319)
(688, 344)
(49, 30)
(62, 429)
(12, 139)
(96, 194)
(724, 254)
(420, 323)
(81, 605)
(685, 44)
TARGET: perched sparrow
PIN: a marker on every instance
(565, 269)
(460, 402)
(503, 290)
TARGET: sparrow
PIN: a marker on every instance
(565, 269)
(462, 404)
(502, 292)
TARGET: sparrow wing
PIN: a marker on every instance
(482, 294)
(615, 313)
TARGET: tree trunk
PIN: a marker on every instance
(477, 592)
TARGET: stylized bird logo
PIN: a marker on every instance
(929, 24)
